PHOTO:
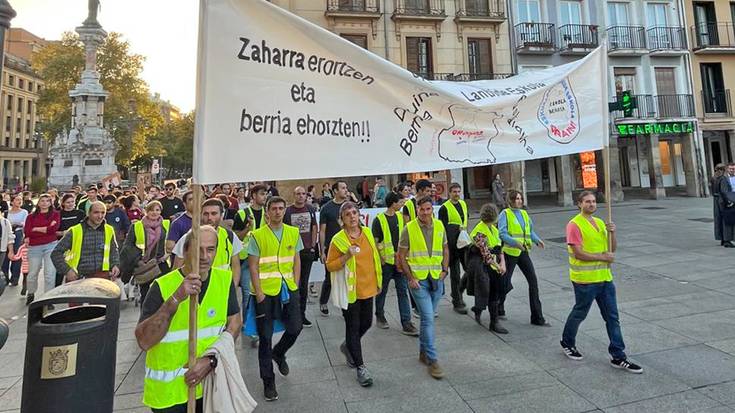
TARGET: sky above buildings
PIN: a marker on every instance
(164, 31)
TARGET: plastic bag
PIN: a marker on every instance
(463, 239)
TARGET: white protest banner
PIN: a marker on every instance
(281, 98)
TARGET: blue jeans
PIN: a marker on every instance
(12, 268)
(604, 294)
(245, 288)
(404, 308)
(427, 302)
(41, 255)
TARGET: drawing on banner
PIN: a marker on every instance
(468, 138)
(559, 113)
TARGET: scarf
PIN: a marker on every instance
(153, 230)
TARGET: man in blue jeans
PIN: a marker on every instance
(591, 245)
(423, 251)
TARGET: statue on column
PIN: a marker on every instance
(94, 6)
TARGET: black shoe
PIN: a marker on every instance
(306, 323)
(29, 299)
(270, 392)
(254, 341)
(478, 315)
(542, 323)
(627, 366)
(363, 377)
(23, 290)
(728, 244)
(571, 352)
(496, 327)
(410, 330)
(381, 322)
(348, 357)
(324, 310)
(460, 309)
(282, 365)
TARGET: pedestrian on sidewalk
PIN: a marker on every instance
(329, 226)
(387, 228)
(164, 320)
(421, 189)
(499, 195)
(726, 190)
(303, 216)
(7, 241)
(423, 251)
(486, 267)
(517, 234)
(275, 266)
(453, 214)
(17, 217)
(21, 257)
(720, 173)
(591, 245)
(40, 230)
(354, 265)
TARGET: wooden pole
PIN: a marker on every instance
(193, 257)
(608, 187)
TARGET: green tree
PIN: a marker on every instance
(130, 114)
(174, 145)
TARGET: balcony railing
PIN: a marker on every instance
(626, 37)
(538, 35)
(659, 107)
(666, 38)
(577, 36)
(717, 103)
(492, 9)
(424, 8)
(720, 34)
(353, 6)
(465, 77)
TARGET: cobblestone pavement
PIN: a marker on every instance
(676, 293)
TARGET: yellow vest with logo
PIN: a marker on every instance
(453, 215)
(276, 258)
(342, 242)
(223, 257)
(521, 235)
(246, 239)
(73, 255)
(594, 241)
(164, 384)
(422, 264)
(385, 248)
(139, 232)
(411, 210)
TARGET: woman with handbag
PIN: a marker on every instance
(143, 255)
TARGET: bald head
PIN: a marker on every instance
(207, 248)
(299, 196)
(96, 213)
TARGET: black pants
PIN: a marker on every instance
(523, 262)
(326, 287)
(180, 408)
(307, 259)
(456, 257)
(265, 313)
(358, 319)
(488, 289)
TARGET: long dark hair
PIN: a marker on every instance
(37, 209)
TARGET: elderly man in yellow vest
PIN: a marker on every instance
(88, 249)
(163, 329)
(275, 266)
(591, 245)
(423, 251)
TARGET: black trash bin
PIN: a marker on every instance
(70, 352)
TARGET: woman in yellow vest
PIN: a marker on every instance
(143, 254)
(354, 265)
(486, 265)
(518, 236)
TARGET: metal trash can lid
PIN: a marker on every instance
(86, 288)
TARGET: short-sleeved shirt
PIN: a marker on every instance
(179, 247)
(179, 227)
(574, 234)
(171, 207)
(238, 224)
(254, 250)
(392, 226)
(154, 300)
(304, 219)
(329, 216)
(427, 231)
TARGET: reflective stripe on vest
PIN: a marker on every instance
(246, 239)
(164, 384)
(521, 235)
(276, 258)
(223, 257)
(73, 255)
(343, 243)
(594, 241)
(453, 215)
(385, 247)
(422, 264)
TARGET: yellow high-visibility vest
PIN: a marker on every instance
(276, 259)
(522, 235)
(453, 215)
(246, 239)
(422, 264)
(385, 248)
(342, 242)
(73, 255)
(594, 241)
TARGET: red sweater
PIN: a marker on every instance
(50, 221)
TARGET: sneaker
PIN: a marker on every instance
(410, 330)
(423, 359)
(363, 377)
(571, 352)
(348, 357)
(436, 314)
(324, 310)
(306, 323)
(381, 322)
(282, 365)
(478, 315)
(312, 291)
(416, 313)
(254, 341)
(29, 299)
(542, 323)
(270, 392)
(23, 290)
(626, 365)
(434, 370)
(460, 309)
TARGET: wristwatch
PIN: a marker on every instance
(212, 361)
(445, 270)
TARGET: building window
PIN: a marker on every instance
(29, 106)
(7, 124)
(28, 126)
(418, 54)
(21, 84)
(624, 79)
(571, 12)
(93, 162)
(358, 39)
(713, 88)
(479, 54)
(18, 124)
(11, 80)
(617, 14)
(529, 11)
(30, 86)
(10, 103)
(68, 163)
(20, 105)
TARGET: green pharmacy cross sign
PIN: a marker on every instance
(665, 128)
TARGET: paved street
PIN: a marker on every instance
(676, 292)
